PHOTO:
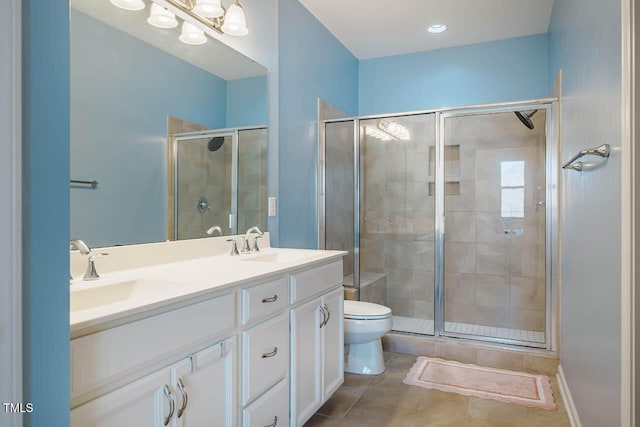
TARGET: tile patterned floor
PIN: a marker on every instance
(425, 327)
(384, 401)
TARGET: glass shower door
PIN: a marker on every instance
(494, 173)
(397, 217)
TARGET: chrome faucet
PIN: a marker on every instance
(246, 248)
(81, 247)
(213, 229)
(91, 273)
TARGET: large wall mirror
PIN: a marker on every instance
(168, 140)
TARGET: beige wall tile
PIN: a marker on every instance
(459, 352)
(528, 293)
(493, 291)
(491, 316)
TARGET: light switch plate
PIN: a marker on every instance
(272, 206)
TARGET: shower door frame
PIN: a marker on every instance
(551, 218)
(550, 105)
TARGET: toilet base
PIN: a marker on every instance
(364, 359)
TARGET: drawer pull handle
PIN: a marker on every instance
(185, 397)
(328, 315)
(272, 299)
(172, 404)
(324, 317)
(271, 353)
(274, 423)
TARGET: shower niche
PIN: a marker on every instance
(448, 218)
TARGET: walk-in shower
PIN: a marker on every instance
(448, 217)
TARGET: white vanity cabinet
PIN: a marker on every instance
(195, 391)
(265, 352)
(317, 339)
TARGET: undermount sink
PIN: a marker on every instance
(85, 299)
(281, 256)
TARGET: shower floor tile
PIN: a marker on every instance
(426, 327)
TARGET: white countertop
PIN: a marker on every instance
(185, 282)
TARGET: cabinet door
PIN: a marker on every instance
(333, 343)
(306, 360)
(206, 391)
(141, 403)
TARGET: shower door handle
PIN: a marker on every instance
(539, 204)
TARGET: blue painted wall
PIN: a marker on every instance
(506, 70)
(45, 194)
(247, 102)
(313, 64)
(122, 90)
(585, 42)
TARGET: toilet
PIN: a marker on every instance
(364, 325)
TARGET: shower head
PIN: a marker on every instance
(215, 143)
(525, 117)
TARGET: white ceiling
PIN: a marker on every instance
(213, 56)
(377, 28)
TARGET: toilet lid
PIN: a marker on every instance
(365, 310)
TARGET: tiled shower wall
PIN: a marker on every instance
(494, 265)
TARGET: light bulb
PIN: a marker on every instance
(209, 8)
(161, 17)
(192, 35)
(235, 23)
(129, 4)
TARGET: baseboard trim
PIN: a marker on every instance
(572, 413)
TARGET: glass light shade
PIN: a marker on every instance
(161, 17)
(235, 23)
(192, 34)
(129, 4)
(208, 8)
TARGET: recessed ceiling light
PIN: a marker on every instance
(437, 28)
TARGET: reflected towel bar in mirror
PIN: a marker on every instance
(92, 184)
(602, 151)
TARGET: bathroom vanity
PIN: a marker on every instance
(219, 340)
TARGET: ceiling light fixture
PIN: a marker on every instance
(396, 130)
(129, 4)
(437, 28)
(191, 34)
(212, 14)
(161, 17)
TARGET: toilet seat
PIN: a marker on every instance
(360, 310)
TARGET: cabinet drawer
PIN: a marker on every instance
(315, 281)
(269, 410)
(263, 300)
(265, 356)
(101, 358)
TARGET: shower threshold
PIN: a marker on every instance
(426, 327)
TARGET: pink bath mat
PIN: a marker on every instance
(487, 383)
